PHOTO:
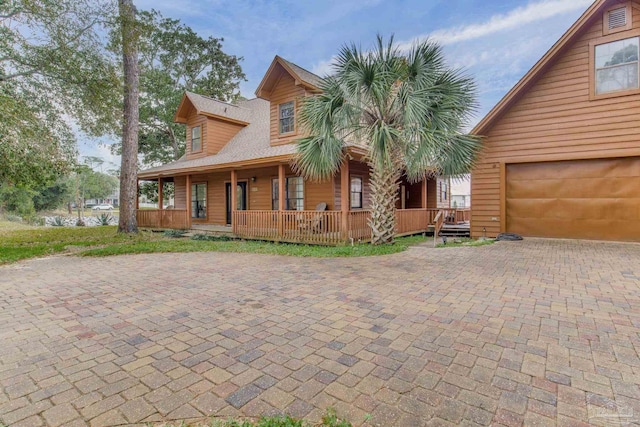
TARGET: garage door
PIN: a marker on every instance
(582, 199)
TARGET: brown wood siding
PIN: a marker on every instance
(284, 91)
(442, 202)
(218, 134)
(355, 169)
(193, 121)
(554, 120)
(432, 194)
(180, 192)
(215, 134)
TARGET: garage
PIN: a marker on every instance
(579, 199)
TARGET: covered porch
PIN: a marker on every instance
(316, 216)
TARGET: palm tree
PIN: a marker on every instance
(407, 110)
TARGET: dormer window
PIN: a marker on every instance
(196, 139)
(286, 115)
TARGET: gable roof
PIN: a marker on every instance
(529, 79)
(210, 107)
(300, 75)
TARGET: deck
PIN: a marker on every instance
(314, 227)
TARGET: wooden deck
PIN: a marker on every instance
(313, 227)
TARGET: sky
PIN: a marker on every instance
(495, 41)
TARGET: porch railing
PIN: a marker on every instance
(359, 228)
(315, 227)
(162, 218)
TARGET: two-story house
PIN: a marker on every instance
(237, 172)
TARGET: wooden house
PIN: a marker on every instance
(236, 174)
(561, 154)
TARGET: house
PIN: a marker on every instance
(461, 193)
(236, 174)
(561, 155)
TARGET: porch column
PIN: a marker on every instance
(160, 195)
(344, 198)
(189, 207)
(282, 198)
(137, 195)
(424, 193)
(234, 197)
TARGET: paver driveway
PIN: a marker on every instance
(536, 333)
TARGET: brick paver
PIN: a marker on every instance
(540, 332)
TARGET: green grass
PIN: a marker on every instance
(257, 247)
(330, 419)
(30, 242)
(464, 242)
(19, 242)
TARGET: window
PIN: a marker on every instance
(294, 188)
(356, 192)
(444, 191)
(286, 117)
(616, 66)
(199, 201)
(196, 139)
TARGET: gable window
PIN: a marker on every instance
(196, 139)
(356, 192)
(294, 188)
(198, 200)
(616, 66)
(286, 116)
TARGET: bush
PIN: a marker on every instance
(13, 218)
(105, 219)
(17, 200)
(58, 221)
(211, 237)
(175, 233)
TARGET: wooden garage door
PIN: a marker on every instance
(584, 199)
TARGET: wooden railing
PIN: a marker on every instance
(438, 223)
(163, 218)
(451, 216)
(359, 228)
(411, 221)
(315, 227)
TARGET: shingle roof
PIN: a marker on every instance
(305, 75)
(251, 143)
(204, 104)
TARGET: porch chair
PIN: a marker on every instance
(314, 224)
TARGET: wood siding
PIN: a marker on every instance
(355, 169)
(285, 90)
(554, 119)
(180, 192)
(215, 134)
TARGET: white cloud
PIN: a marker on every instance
(528, 14)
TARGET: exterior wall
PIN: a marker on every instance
(555, 119)
(355, 169)
(443, 203)
(214, 133)
(285, 90)
(180, 192)
(258, 192)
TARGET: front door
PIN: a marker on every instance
(241, 203)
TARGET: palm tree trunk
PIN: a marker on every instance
(129, 166)
(384, 194)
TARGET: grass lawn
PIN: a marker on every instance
(19, 242)
(457, 242)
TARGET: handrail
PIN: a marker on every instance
(438, 223)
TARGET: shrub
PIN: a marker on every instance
(13, 218)
(211, 237)
(174, 233)
(105, 219)
(57, 221)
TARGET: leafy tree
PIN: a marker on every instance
(52, 67)
(407, 110)
(51, 197)
(174, 59)
(130, 125)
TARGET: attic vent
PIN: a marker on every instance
(617, 18)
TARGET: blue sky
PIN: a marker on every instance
(495, 41)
